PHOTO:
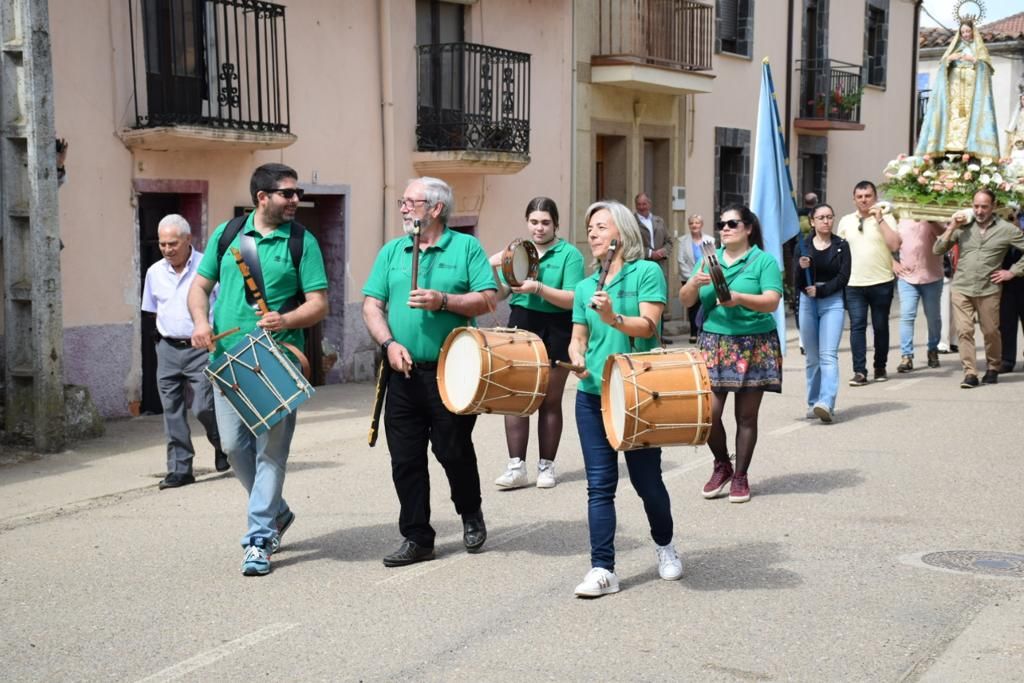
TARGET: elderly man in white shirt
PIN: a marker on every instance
(178, 364)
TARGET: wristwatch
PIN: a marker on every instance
(387, 342)
(618, 320)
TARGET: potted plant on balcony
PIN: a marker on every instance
(844, 102)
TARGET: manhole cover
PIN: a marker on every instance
(987, 562)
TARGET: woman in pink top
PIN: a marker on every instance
(920, 279)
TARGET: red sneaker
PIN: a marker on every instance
(720, 478)
(740, 490)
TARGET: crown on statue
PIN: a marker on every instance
(969, 11)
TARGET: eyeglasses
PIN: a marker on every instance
(411, 203)
(286, 192)
(731, 224)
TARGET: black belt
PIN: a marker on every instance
(429, 367)
(178, 343)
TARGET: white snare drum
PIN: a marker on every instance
(656, 398)
(492, 370)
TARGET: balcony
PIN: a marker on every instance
(473, 109)
(661, 46)
(830, 95)
(209, 74)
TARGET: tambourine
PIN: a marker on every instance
(715, 271)
(520, 262)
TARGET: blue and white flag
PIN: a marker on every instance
(771, 194)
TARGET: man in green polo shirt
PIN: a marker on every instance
(259, 463)
(454, 286)
(978, 281)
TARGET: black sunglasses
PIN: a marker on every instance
(287, 192)
(732, 224)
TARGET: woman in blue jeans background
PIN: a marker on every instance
(620, 318)
(820, 276)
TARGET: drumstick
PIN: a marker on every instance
(217, 337)
(415, 253)
(570, 367)
(254, 289)
(605, 266)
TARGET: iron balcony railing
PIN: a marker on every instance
(472, 97)
(830, 90)
(215, 63)
(922, 107)
(677, 34)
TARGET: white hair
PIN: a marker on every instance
(178, 221)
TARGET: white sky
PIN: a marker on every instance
(942, 10)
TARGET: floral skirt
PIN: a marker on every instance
(751, 362)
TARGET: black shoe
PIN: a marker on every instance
(1007, 366)
(693, 339)
(174, 480)
(953, 348)
(881, 375)
(859, 380)
(409, 552)
(990, 377)
(220, 461)
(474, 531)
(666, 341)
(969, 382)
(933, 359)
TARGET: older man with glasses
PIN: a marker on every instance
(410, 323)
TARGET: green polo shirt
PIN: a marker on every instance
(755, 273)
(457, 264)
(560, 267)
(637, 281)
(280, 280)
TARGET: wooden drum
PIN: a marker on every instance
(656, 398)
(493, 370)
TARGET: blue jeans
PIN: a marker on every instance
(930, 295)
(877, 298)
(602, 465)
(259, 463)
(821, 328)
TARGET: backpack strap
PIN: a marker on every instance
(296, 240)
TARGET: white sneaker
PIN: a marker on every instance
(670, 567)
(514, 477)
(810, 414)
(598, 582)
(943, 347)
(546, 474)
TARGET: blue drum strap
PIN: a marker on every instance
(252, 259)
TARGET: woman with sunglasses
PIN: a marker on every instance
(542, 306)
(739, 341)
(620, 318)
(821, 273)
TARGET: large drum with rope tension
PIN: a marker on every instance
(493, 370)
(656, 398)
(259, 381)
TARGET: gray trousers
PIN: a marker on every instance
(177, 368)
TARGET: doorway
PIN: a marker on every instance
(610, 168)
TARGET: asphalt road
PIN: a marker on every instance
(819, 577)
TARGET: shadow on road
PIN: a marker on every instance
(745, 566)
(865, 409)
(810, 482)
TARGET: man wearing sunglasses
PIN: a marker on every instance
(260, 462)
(873, 237)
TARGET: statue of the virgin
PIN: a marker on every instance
(960, 116)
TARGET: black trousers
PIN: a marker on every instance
(1011, 313)
(414, 415)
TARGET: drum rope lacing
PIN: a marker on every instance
(236, 359)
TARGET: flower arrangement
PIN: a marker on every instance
(951, 180)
